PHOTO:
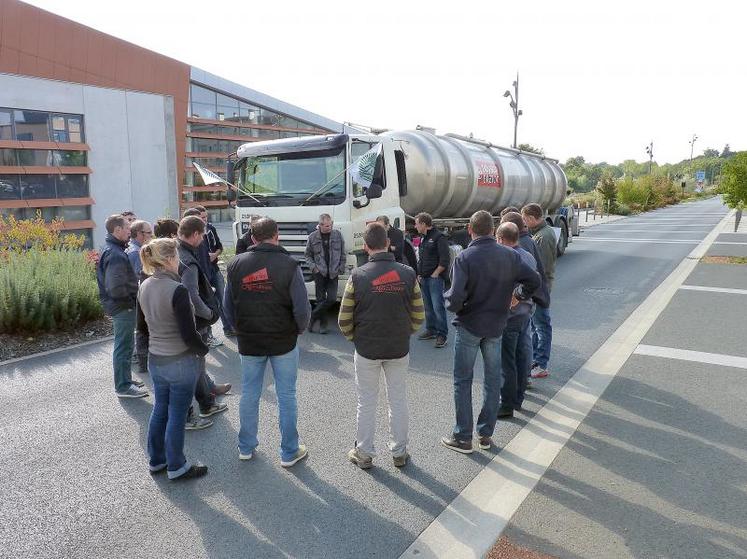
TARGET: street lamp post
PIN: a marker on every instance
(650, 152)
(692, 146)
(514, 104)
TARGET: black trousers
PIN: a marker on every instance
(326, 297)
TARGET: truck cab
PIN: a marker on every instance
(295, 180)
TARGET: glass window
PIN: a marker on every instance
(74, 213)
(9, 187)
(6, 125)
(69, 158)
(31, 126)
(268, 117)
(288, 134)
(58, 123)
(249, 113)
(287, 122)
(204, 145)
(37, 186)
(264, 134)
(18, 213)
(34, 157)
(208, 162)
(72, 186)
(228, 101)
(201, 110)
(202, 95)
(8, 157)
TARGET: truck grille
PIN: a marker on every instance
(296, 228)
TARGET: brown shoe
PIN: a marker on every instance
(401, 460)
(465, 447)
(222, 389)
(486, 443)
(440, 341)
(426, 335)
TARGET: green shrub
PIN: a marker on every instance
(43, 290)
(623, 209)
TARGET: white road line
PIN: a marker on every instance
(474, 520)
(623, 240)
(729, 243)
(653, 230)
(714, 289)
(696, 356)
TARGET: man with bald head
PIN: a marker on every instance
(516, 344)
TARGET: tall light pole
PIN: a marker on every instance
(514, 104)
(650, 152)
(692, 146)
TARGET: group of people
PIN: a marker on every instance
(170, 293)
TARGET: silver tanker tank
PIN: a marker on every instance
(453, 177)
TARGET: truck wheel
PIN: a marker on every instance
(563, 238)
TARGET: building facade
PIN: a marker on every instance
(91, 125)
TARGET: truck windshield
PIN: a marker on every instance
(291, 179)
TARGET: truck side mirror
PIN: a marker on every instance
(230, 177)
(230, 171)
(373, 191)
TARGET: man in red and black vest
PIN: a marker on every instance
(266, 300)
(381, 307)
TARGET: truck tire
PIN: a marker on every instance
(563, 244)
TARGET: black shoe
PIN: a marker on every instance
(138, 383)
(311, 325)
(426, 335)
(440, 341)
(485, 443)
(465, 447)
(505, 412)
(195, 471)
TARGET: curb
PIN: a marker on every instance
(57, 350)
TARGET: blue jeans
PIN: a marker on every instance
(285, 370)
(541, 336)
(466, 346)
(516, 360)
(435, 310)
(173, 386)
(219, 283)
(124, 340)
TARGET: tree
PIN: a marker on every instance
(531, 149)
(726, 152)
(734, 181)
(608, 189)
(710, 152)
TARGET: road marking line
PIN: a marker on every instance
(689, 355)
(57, 350)
(651, 241)
(714, 289)
(672, 231)
(475, 519)
(729, 243)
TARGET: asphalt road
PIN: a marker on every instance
(74, 472)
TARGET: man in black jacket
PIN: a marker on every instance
(396, 238)
(267, 302)
(118, 286)
(206, 308)
(433, 265)
(483, 288)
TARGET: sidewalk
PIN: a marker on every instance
(657, 469)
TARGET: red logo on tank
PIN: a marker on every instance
(389, 282)
(257, 281)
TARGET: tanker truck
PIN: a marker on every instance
(294, 180)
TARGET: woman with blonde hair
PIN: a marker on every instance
(176, 350)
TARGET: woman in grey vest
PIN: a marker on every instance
(176, 352)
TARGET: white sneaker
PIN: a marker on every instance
(539, 372)
(301, 453)
(246, 456)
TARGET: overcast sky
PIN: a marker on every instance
(598, 79)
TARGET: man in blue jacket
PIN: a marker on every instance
(118, 286)
(487, 279)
